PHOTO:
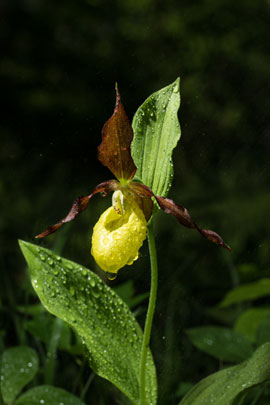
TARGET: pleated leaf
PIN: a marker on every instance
(156, 133)
(107, 327)
(222, 388)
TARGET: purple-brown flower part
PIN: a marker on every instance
(114, 153)
(114, 150)
(180, 212)
(79, 205)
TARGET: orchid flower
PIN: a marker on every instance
(122, 228)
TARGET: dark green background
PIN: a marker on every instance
(59, 62)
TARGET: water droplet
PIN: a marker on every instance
(92, 282)
(42, 257)
(111, 276)
(84, 272)
(69, 266)
(58, 258)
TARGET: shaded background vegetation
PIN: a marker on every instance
(59, 63)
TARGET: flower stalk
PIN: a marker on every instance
(150, 310)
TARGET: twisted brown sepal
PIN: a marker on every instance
(114, 150)
(180, 212)
(182, 215)
(79, 205)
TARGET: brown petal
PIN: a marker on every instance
(182, 215)
(144, 195)
(214, 237)
(114, 150)
(147, 207)
(79, 205)
(180, 212)
(141, 189)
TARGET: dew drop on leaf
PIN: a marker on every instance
(92, 282)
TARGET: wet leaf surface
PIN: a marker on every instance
(104, 322)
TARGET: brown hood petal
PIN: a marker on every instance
(79, 205)
(114, 150)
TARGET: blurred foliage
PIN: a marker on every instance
(59, 63)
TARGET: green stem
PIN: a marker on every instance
(150, 311)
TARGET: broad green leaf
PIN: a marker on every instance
(48, 395)
(222, 387)
(18, 366)
(103, 321)
(249, 321)
(156, 133)
(222, 343)
(250, 291)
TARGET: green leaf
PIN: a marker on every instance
(46, 394)
(222, 387)
(103, 321)
(248, 322)
(18, 366)
(263, 332)
(222, 343)
(156, 133)
(250, 291)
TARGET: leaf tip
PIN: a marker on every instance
(24, 246)
(177, 84)
(22, 243)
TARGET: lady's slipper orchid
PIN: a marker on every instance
(122, 228)
(118, 235)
